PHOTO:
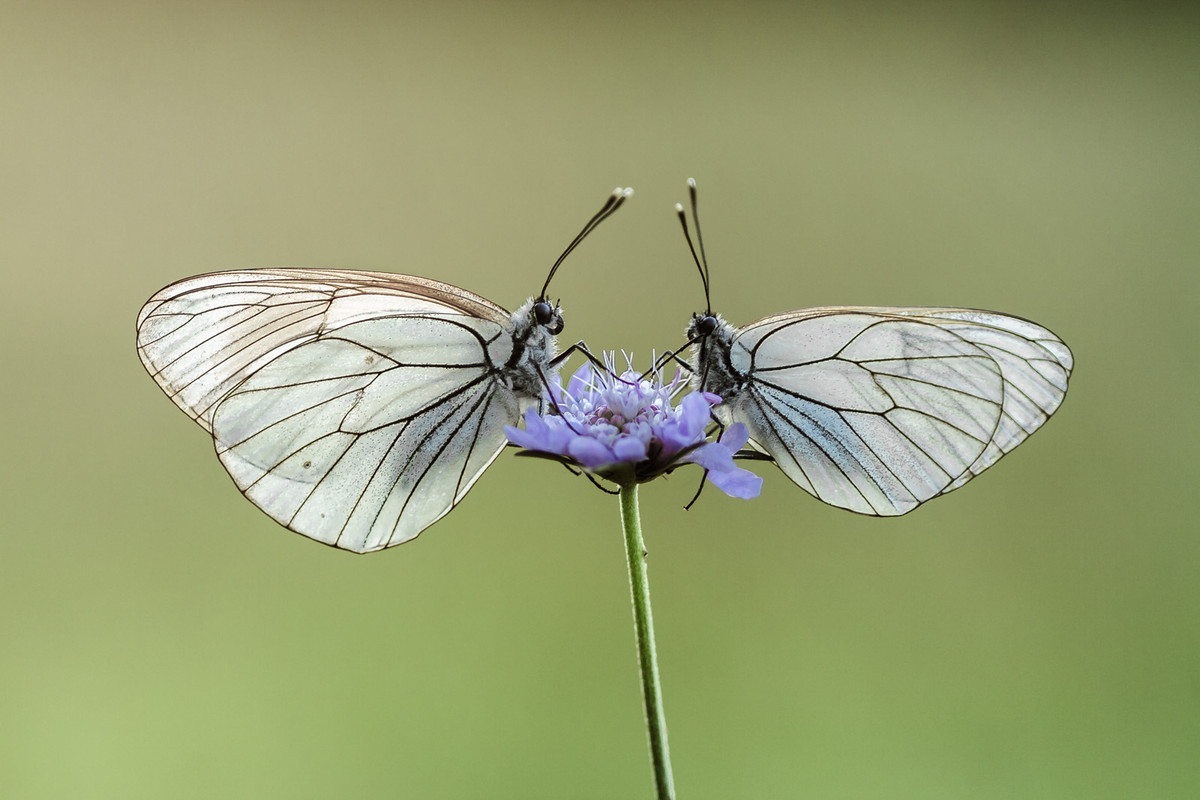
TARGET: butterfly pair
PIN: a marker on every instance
(358, 408)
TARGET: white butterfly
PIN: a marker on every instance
(877, 410)
(356, 408)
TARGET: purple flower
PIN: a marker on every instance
(627, 430)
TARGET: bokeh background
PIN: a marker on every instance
(1036, 635)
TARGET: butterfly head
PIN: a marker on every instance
(708, 333)
(548, 316)
(702, 326)
(537, 321)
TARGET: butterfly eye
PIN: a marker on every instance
(705, 325)
(548, 317)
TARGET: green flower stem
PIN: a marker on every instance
(643, 623)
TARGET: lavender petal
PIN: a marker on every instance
(589, 452)
(740, 483)
(630, 449)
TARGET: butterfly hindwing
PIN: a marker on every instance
(1035, 364)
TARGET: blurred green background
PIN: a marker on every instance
(1036, 635)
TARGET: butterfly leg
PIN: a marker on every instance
(696, 496)
(718, 430)
(548, 394)
(581, 348)
(663, 360)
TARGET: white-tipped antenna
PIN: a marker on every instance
(614, 201)
(701, 260)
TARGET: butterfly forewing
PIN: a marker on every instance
(879, 409)
(202, 336)
(355, 408)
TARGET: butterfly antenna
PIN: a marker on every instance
(614, 201)
(699, 238)
(701, 260)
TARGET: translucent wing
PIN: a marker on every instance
(371, 433)
(879, 409)
(1034, 363)
(354, 408)
(202, 336)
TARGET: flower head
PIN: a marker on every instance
(628, 430)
